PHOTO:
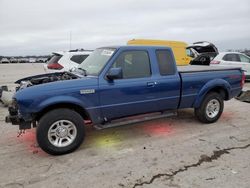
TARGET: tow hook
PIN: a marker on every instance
(20, 132)
(7, 119)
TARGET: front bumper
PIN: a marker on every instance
(15, 119)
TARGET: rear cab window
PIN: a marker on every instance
(165, 61)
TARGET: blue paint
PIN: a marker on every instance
(125, 97)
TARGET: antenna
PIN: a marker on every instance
(70, 38)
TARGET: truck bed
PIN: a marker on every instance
(196, 77)
(203, 68)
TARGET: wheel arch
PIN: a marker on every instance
(222, 91)
(77, 108)
(219, 86)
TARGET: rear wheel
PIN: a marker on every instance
(60, 131)
(211, 108)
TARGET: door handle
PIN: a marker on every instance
(151, 84)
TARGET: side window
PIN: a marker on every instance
(189, 53)
(134, 64)
(231, 57)
(78, 58)
(244, 58)
(165, 62)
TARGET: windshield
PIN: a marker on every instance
(95, 62)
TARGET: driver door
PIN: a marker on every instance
(135, 92)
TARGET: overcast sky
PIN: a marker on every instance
(37, 27)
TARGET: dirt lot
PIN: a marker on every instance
(170, 152)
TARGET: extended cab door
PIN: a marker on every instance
(140, 90)
(168, 79)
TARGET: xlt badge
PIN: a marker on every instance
(87, 91)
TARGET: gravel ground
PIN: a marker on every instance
(170, 152)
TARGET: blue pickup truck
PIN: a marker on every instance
(114, 83)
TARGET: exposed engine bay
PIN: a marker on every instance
(44, 78)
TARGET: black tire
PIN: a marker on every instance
(46, 124)
(201, 112)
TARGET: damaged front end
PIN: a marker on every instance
(44, 78)
(6, 95)
(17, 115)
(14, 117)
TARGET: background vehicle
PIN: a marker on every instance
(203, 48)
(202, 52)
(32, 60)
(41, 60)
(178, 47)
(65, 61)
(13, 60)
(114, 83)
(202, 59)
(233, 59)
(4, 60)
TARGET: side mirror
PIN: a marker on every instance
(115, 73)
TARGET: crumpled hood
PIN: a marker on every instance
(63, 87)
(46, 78)
(73, 75)
(43, 75)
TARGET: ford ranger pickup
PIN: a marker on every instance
(114, 83)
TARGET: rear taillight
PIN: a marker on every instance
(243, 79)
(55, 66)
(215, 62)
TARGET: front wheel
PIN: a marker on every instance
(60, 131)
(210, 109)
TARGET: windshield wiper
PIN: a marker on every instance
(83, 70)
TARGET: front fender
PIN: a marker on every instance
(59, 100)
(95, 114)
(216, 83)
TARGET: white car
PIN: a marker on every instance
(234, 59)
(32, 60)
(4, 60)
(66, 61)
(41, 60)
(13, 60)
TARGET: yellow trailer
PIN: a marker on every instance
(178, 47)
